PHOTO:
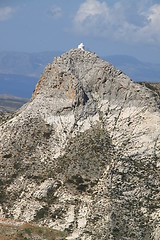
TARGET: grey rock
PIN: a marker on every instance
(84, 154)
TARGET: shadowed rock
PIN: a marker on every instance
(84, 154)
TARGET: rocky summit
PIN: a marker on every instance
(83, 155)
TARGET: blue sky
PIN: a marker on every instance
(107, 27)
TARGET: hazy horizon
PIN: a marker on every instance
(107, 27)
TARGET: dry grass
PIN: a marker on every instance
(14, 230)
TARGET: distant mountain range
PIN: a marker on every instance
(17, 85)
(20, 72)
(137, 70)
(11, 103)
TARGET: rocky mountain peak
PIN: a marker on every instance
(82, 71)
(83, 155)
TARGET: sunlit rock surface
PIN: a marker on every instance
(84, 154)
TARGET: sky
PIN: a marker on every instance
(107, 27)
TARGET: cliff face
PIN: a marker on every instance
(84, 154)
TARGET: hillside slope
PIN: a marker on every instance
(19, 230)
(83, 155)
(153, 86)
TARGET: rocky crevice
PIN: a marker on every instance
(83, 155)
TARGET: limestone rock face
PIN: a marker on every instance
(84, 154)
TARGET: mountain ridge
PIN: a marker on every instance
(74, 158)
(19, 72)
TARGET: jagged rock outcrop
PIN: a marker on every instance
(84, 154)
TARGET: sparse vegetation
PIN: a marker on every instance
(29, 232)
(152, 86)
(87, 164)
(85, 158)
